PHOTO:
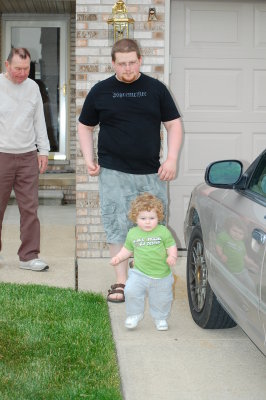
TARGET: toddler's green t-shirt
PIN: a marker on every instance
(149, 249)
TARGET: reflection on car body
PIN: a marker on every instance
(225, 233)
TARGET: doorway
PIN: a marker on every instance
(47, 43)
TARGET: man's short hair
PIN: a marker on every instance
(125, 46)
(20, 51)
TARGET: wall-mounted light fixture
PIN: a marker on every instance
(152, 14)
(120, 25)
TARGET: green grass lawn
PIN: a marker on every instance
(55, 344)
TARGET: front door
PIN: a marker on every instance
(46, 41)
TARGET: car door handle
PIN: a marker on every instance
(259, 236)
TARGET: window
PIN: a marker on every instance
(258, 181)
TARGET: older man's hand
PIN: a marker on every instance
(43, 163)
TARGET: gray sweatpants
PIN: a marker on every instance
(160, 294)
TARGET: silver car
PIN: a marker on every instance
(225, 234)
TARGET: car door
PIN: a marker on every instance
(238, 249)
(258, 188)
(263, 297)
(258, 185)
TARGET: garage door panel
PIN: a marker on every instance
(258, 142)
(260, 26)
(209, 27)
(234, 93)
(199, 149)
(208, 24)
(213, 89)
(260, 91)
(220, 26)
(206, 142)
(215, 146)
(209, 90)
(177, 209)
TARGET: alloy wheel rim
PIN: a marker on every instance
(198, 275)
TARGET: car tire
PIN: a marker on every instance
(205, 309)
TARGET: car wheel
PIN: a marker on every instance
(204, 306)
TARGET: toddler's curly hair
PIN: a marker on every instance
(145, 202)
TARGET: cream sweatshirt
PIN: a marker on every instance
(22, 122)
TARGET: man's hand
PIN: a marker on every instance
(43, 163)
(167, 170)
(93, 169)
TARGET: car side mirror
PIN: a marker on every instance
(225, 174)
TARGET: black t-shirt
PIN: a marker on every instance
(130, 117)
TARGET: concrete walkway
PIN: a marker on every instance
(184, 363)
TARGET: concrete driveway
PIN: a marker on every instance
(183, 363)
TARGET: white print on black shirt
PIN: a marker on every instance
(149, 241)
(132, 94)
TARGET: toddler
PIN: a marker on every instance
(154, 250)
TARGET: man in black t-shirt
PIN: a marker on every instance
(129, 107)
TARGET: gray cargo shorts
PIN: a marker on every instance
(117, 190)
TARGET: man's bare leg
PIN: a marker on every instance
(120, 270)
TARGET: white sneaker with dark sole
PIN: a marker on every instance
(132, 321)
(35, 265)
(161, 325)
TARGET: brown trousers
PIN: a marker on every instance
(21, 173)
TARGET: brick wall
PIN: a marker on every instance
(93, 63)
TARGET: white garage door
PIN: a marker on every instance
(218, 78)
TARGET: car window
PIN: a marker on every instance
(258, 181)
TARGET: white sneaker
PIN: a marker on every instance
(132, 321)
(35, 265)
(161, 325)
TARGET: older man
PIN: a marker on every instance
(22, 132)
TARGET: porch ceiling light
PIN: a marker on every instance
(120, 25)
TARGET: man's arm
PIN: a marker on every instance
(41, 136)
(86, 144)
(167, 170)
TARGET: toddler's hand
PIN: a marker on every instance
(115, 261)
(171, 260)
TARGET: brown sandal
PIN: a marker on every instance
(115, 289)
